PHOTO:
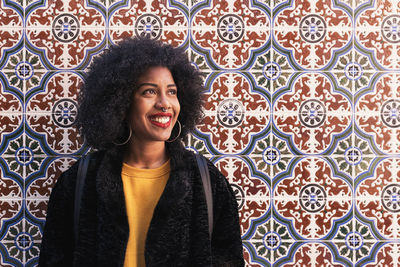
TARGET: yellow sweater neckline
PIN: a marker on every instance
(134, 172)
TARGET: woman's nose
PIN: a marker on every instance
(162, 102)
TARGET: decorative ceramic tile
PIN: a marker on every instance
(313, 198)
(386, 254)
(378, 32)
(6, 259)
(11, 29)
(11, 107)
(158, 19)
(377, 113)
(312, 33)
(256, 253)
(312, 254)
(67, 33)
(24, 70)
(313, 113)
(236, 111)
(21, 153)
(51, 113)
(39, 184)
(11, 193)
(377, 198)
(19, 243)
(354, 71)
(355, 241)
(271, 240)
(252, 189)
(230, 33)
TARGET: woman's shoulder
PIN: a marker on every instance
(216, 175)
(67, 179)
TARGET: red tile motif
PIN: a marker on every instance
(312, 198)
(312, 113)
(11, 28)
(312, 31)
(10, 193)
(377, 31)
(378, 113)
(313, 254)
(378, 198)
(68, 33)
(52, 112)
(234, 111)
(251, 192)
(10, 110)
(230, 32)
(387, 255)
(158, 19)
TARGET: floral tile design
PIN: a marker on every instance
(68, 34)
(313, 254)
(252, 189)
(302, 115)
(312, 33)
(39, 184)
(377, 113)
(377, 32)
(11, 194)
(51, 113)
(313, 113)
(159, 19)
(11, 107)
(236, 110)
(11, 30)
(229, 33)
(383, 254)
(377, 200)
(313, 199)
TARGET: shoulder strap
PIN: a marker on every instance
(205, 178)
(80, 181)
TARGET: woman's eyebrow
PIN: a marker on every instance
(155, 85)
(150, 84)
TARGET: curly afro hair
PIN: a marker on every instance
(106, 95)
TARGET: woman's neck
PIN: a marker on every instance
(148, 155)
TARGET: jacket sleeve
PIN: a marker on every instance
(226, 242)
(57, 241)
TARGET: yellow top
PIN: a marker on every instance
(142, 189)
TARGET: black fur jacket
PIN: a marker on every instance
(178, 233)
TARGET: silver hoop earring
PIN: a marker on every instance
(126, 141)
(179, 133)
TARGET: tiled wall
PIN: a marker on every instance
(302, 115)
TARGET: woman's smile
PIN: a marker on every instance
(161, 119)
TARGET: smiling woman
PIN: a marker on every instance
(155, 108)
(143, 202)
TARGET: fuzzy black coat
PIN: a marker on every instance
(178, 233)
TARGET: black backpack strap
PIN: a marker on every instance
(205, 178)
(80, 181)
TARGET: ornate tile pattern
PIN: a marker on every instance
(302, 115)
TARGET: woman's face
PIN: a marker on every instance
(155, 106)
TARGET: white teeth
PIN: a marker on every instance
(162, 120)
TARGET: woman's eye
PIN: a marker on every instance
(173, 92)
(149, 91)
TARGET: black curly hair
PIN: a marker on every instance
(106, 95)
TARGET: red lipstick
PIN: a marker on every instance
(158, 123)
